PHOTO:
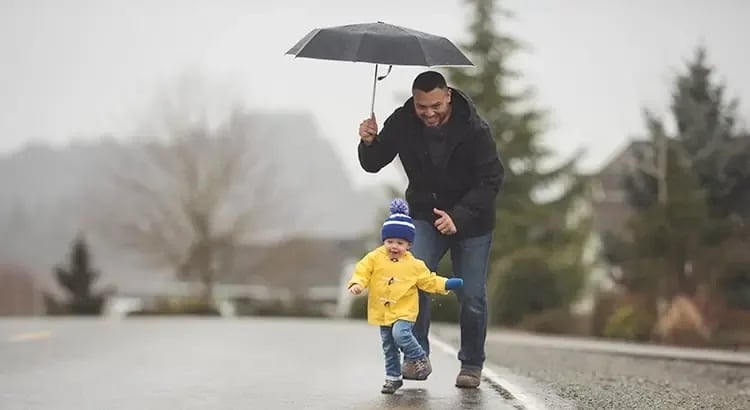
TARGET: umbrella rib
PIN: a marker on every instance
(415, 33)
(359, 47)
(424, 52)
(317, 31)
(311, 35)
(418, 37)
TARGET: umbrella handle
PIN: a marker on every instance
(375, 80)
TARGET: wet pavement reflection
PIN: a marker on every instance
(216, 364)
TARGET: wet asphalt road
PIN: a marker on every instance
(216, 364)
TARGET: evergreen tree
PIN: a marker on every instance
(708, 140)
(667, 238)
(77, 279)
(533, 238)
(706, 127)
(719, 154)
(689, 237)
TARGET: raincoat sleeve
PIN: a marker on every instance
(363, 271)
(383, 149)
(489, 173)
(429, 281)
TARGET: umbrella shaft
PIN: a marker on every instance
(374, 86)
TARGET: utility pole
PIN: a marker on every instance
(658, 168)
(661, 164)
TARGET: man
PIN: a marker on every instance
(454, 171)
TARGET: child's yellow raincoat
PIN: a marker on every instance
(393, 285)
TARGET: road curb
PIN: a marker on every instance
(661, 352)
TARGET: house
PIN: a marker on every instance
(312, 270)
(609, 207)
(610, 212)
(308, 270)
(609, 197)
(19, 293)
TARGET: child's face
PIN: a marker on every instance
(396, 247)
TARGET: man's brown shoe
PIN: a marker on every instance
(469, 378)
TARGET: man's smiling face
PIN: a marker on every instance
(433, 107)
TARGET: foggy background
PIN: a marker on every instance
(94, 92)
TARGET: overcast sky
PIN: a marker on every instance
(77, 69)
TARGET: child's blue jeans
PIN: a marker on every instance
(395, 337)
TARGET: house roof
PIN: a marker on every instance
(295, 263)
(610, 175)
(611, 211)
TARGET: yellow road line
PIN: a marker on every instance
(25, 337)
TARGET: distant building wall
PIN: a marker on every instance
(19, 294)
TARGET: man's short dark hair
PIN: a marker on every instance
(428, 81)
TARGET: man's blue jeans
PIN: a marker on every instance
(470, 259)
(399, 336)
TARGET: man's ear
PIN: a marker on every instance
(450, 95)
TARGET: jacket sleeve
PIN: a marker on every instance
(489, 173)
(363, 271)
(383, 149)
(429, 281)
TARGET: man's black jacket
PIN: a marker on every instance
(466, 180)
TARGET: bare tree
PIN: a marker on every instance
(192, 192)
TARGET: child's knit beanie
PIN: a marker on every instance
(399, 224)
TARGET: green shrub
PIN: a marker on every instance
(245, 306)
(302, 308)
(358, 308)
(605, 305)
(532, 281)
(737, 339)
(178, 306)
(555, 321)
(629, 323)
(517, 293)
(298, 307)
(444, 308)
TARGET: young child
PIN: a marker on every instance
(393, 276)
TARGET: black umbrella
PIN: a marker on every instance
(379, 43)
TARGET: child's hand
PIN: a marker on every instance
(355, 289)
(453, 283)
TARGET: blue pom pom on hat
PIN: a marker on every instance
(399, 224)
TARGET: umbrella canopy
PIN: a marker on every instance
(379, 43)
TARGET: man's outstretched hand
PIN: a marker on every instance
(454, 283)
(444, 223)
(368, 130)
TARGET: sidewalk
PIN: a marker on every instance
(716, 356)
